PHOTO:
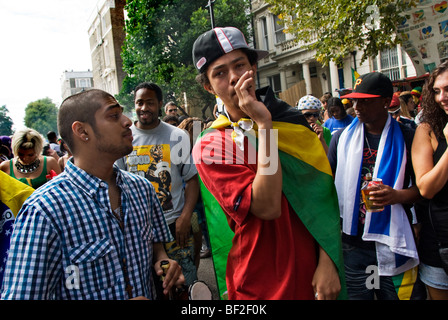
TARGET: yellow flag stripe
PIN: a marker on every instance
(407, 284)
(296, 140)
(307, 148)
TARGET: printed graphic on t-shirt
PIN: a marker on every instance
(154, 163)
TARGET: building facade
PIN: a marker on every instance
(106, 35)
(75, 81)
(292, 71)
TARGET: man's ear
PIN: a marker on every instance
(160, 108)
(387, 102)
(209, 88)
(81, 130)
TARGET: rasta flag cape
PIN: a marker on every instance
(307, 184)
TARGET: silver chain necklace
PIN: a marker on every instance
(368, 145)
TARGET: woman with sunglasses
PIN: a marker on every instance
(310, 107)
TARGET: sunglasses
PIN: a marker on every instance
(311, 114)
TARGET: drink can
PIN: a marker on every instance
(366, 195)
(374, 182)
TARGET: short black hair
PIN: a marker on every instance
(81, 107)
(335, 102)
(51, 135)
(171, 118)
(150, 86)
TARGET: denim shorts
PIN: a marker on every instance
(433, 276)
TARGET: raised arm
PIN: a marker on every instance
(267, 185)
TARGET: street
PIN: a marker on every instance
(206, 273)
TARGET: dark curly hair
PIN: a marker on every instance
(432, 113)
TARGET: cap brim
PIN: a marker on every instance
(359, 95)
(261, 54)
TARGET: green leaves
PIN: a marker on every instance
(42, 115)
(159, 40)
(5, 122)
(342, 25)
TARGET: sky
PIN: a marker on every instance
(39, 40)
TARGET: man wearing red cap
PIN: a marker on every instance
(375, 146)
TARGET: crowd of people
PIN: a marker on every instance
(337, 197)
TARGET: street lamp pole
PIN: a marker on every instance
(212, 16)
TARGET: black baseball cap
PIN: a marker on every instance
(371, 85)
(215, 43)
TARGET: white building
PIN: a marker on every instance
(75, 81)
(293, 71)
(106, 35)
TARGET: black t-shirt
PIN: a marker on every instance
(428, 248)
(370, 152)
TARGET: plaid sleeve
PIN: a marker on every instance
(32, 270)
(161, 231)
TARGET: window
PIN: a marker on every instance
(106, 53)
(279, 26)
(313, 72)
(83, 83)
(389, 62)
(99, 39)
(103, 25)
(264, 34)
(275, 83)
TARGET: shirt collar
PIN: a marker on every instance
(87, 182)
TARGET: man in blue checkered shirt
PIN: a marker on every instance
(94, 231)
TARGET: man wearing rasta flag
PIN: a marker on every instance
(284, 236)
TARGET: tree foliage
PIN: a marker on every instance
(159, 39)
(41, 115)
(5, 122)
(342, 26)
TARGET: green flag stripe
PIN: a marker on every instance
(313, 197)
(220, 236)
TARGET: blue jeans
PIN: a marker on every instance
(356, 261)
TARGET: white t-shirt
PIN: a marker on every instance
(55, 147)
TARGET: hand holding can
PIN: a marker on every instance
(373, 185)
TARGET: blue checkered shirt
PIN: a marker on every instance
(67, 244)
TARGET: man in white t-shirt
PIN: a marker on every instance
(162, 155)
(53, 141)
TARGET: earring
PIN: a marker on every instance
(87, 139)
